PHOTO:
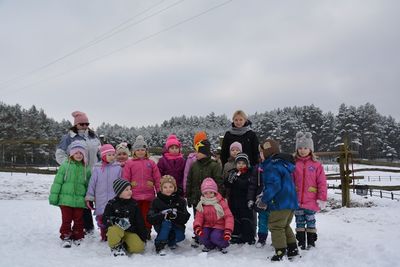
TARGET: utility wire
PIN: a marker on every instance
(115, 30)
(127, 46)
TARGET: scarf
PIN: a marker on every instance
(239, 131)
(211, 201)
(168, 155)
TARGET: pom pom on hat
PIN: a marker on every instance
(209, 185)
(304, 140)
(79, 117)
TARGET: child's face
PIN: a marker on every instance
(168, 189)
(303, 152)
(78, 156)
(200, 156)
(239, 121)
(140, 153)
(122, 156)
(240, 165)
(234, 152)
(110, 156)
(127, 193)
(173, 150)
(208, 194)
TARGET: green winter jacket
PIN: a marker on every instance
(200, 170)
(70, 185)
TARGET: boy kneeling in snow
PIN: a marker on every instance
(125, 225)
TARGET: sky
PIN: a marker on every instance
(140, 62)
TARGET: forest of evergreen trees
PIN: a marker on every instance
(373, 135)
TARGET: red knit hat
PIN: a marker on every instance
(172, 140)
(79, 117)
(209, 185)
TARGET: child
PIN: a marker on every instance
(144, 176)
(310, 181)
(68, 192)
(191, 158)
(172, 162)
(234, 149)
(238, 184)
(100, 186)
(279, 197)
(124, 222)
(241, 133)
(123, 153)
(213, 221)
(169, 215)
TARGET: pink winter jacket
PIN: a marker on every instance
(310, 180)
(144, 176)
(208, 218)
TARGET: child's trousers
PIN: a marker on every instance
(279, 225)
(169, 233)
(70, 215)
(305, 219)
(117, 236)
(212, 238)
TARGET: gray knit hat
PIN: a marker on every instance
(119, 185)
(242, 157)
(139, 143)
(304, 140)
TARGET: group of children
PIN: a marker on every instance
(132, 195)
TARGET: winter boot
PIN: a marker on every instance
(196, 242)
(311, 238)
(160, 248)
(223, 250)
(66, 243)
(118, 251)
(292, 250)
(103, 234)
(279, 253)
(262, 238)
(301, 237)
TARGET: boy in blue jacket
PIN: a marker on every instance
(279, 197)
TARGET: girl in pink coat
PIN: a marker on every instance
(213, 222)
(144, 177)
(310, 181)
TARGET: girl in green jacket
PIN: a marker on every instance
(68, 192)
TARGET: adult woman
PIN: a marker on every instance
(81, 131)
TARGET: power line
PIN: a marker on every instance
(127, 46)
(95, 41)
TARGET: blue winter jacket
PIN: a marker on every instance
(279, 190)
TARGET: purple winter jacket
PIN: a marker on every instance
(100, 189)
(189, 162)
(310, 180)
(173, 167)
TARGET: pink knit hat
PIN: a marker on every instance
(79, 117)
(172, 140)
(237, 145)
(209, 185)
(104, 149)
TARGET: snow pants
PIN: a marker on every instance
(279, 225)
(117, 236)
(69, 215)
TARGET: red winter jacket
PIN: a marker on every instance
(208, 218)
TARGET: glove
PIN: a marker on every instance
(321, 204)
(89, 205)
(123, 223)
(261, 205)
(227, 235)
(198, 232)
(250, 204)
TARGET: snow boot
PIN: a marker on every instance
(223, 250)
(160, 248)
(301, 237)
(66, 243)
(292, 250)
(196, 242)
(262, 239)
(311, 238)
(279, 253)
(118, 251)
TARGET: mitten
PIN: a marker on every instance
(321, 204)
(250, 204)
(198, 231)
(260, 205)
(89, 205)
(227, 235)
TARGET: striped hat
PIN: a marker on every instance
(104, 149)
(119, 185)
(242, 157)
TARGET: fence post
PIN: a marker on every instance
(380, 192)
(370, 192)
(392, 195)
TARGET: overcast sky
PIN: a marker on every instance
(173, 57)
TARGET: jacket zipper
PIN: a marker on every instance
(303, 183)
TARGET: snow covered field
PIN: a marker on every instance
(367, 235)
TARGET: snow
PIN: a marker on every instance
(366, 235)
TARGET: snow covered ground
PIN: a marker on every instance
(367, 235)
